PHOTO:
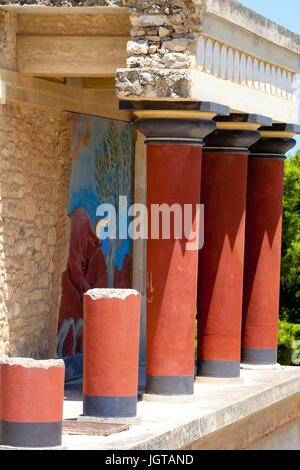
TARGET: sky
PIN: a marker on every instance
(287, 14)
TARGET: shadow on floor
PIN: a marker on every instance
(74, 387)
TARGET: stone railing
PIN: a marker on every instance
(228, 63)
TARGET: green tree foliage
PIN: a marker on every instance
(288, 343)
(290, 271)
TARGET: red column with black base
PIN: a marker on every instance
(111, 353)
(174, 175)
(174, 156)
(221, 260)
(31, 402)
(263, 245)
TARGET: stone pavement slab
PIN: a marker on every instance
(171, 426)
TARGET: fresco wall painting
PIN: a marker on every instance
(102, 170)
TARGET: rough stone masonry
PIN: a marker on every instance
(162, 49)
(34, 231)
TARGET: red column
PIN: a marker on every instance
(174, 175)
(111, 350)
(221, 264)
(221, 260)
(31, 402)
(263, 245)
(174, 141)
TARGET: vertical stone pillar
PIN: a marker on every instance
(111, 353)
(221, 260)
(174, 152)
(263, 244)
(31, 403)
(139, 250)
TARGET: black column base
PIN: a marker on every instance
(218, 369)
(110, 407)
(169, 385)
(261, 357)
(32, 435)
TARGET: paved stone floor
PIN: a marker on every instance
(169, 426)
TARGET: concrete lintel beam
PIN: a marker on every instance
(67, 56)
(50, 94)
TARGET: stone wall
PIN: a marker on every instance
(8, 27)
(162, 49)
(34, 232)
(163, 33)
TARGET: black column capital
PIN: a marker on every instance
(275, 141)
(174, 122)
(235, 133)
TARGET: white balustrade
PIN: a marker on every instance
(222, 61)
